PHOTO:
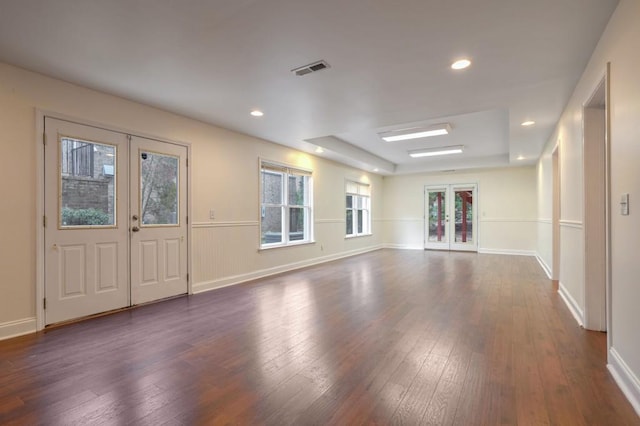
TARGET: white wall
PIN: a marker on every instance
(619, 45)
(507, 208)
(224, 167)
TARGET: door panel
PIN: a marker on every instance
(158, 220)
(172, 259)
(86, 235)
(450, 217)
(106, 267)
(71, 267)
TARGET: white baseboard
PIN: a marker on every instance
(403, 247)
(262, 273)
(544, 266)
(571, 303)
(480, 250)
(17, 328)
(507, 252)
(624, 377)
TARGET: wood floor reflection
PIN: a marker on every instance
(388, 337)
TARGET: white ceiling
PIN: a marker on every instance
(215, 60)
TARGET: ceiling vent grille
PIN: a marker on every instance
(313, 67)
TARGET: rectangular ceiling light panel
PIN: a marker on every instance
(416, 133)
(431, 152)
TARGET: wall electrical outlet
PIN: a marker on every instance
(212, 214)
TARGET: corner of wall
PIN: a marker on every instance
(572, 304)
(543, 264)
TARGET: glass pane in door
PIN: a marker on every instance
(437, 216)
(464, 216)
(158, 189)
(87, 184)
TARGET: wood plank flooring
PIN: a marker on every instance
(389, 337)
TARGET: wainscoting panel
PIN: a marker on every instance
(506, 235)
(572, 261)
(229, 253)
(545, 245)
(220, 250)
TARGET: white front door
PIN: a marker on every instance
(158, 220)
(94, 261)
(87, 229)
(450, 217)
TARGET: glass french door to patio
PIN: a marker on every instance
(450, 217)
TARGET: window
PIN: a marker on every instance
(285, 207)
(87, 192)
(358, 209)
(158, 193)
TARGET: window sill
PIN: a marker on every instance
(348, 237)
(277, 246)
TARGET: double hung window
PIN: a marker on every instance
(285, 206)
(358, 203)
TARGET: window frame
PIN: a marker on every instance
(360, 194)
(286, 171)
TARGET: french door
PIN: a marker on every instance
(158, 220)
(450, 217)
(115, 220)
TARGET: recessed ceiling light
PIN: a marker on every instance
(431, 152)
(520, 157)
(319, 150)
(257, 113)
(375, 170)
(416, 133)
(528, 123)
(460, 64)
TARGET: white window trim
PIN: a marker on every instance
(358, 189)
(286, 170)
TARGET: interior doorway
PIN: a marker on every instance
(450, 217)
(596, 210)
(115, 220)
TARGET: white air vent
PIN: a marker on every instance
(313, 67)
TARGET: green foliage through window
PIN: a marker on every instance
(87, 217)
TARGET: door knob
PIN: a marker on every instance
(135, 229)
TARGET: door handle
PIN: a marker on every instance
(134, 229)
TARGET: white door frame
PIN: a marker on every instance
(597, 207)
(40, 210)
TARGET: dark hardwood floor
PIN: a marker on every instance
(389, 337)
